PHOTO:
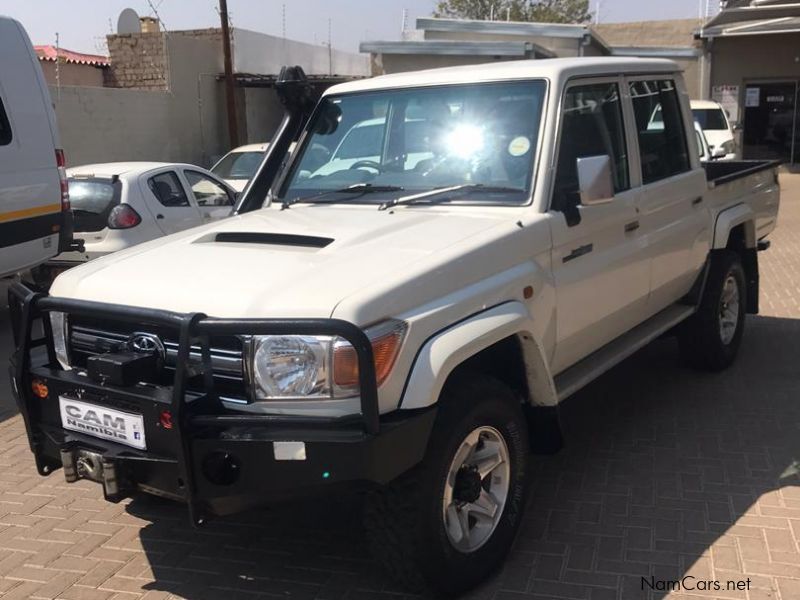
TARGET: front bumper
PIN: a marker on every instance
(215, 460)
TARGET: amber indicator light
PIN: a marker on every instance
(39, 388)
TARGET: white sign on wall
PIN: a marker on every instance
(753, 97)
(728, 97)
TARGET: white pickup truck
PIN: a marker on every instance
(405, 327)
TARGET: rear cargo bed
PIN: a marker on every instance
(725, 171)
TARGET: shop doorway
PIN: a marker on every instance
(770, 122)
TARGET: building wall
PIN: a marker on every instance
(743, 59)
(265, 54)
(263, 114)
(750, 58)
(183, 124)
(693, 75)
(138, 60)
(678, 33)
(72, 73)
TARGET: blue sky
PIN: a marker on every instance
(82, 24)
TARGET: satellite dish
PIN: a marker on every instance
(128, 22)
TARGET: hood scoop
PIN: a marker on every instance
(268, 239)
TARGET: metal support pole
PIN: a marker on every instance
(230, 97)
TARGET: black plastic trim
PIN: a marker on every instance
(275, 239)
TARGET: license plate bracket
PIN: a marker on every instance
(102, 422)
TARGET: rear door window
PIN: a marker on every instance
(663, 148)
(167, 189)
(5, 126)
(92, 200)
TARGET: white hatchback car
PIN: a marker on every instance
(118, 205)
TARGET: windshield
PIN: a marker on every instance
(92, 201)
(238, 165)
(401, 142)
(710, 119)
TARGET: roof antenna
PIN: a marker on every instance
(58, 65)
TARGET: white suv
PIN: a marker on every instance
(718, 131)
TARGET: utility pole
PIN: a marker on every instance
(230, 96)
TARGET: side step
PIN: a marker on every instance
(590, 368)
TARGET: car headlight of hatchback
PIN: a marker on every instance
(285, 367)
(728, 146)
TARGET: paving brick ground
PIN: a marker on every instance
(667, 473)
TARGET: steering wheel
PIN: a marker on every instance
(370, 164)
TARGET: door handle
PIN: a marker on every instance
(632, 226)
(577, 252)
(159, 216)
(697, 201)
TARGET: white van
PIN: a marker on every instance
(35, 217)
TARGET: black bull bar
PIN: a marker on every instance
(32, 332)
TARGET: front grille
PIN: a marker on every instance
(227, 362)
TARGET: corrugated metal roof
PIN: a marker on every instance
(50, 53)
(457, 48)
(753, 27)
(656, 51)
(528, 29)
(746, 14)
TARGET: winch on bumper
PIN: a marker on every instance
(189, 446)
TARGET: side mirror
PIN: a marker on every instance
(718, 152)
(594, 179)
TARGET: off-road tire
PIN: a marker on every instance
(404, 520)
(699, 337)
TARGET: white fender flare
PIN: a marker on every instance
(442, 353)
(730, 218)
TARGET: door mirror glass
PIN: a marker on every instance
(595, 180)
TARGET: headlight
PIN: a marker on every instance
(60, 325)
(291, 366)
(729, 147)
(318, 367)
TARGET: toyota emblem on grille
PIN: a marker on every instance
(146, 343)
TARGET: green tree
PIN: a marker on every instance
(546, 11)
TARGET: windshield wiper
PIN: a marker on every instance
(469, 187)
(358, 188)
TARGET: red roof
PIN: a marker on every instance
(50, 53)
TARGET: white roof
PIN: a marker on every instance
(703, 104)
(550, 68)
(121, 168)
